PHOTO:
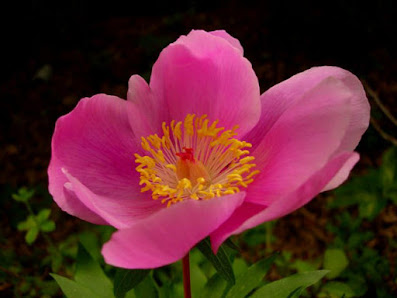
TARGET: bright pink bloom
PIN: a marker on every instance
(303, 132)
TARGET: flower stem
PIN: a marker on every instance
(186, 276)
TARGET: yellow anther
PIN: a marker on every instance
(145, 144)
(171, 166)
(246, 159)
(189, 124)
(228, 192)
(177, 130)
(252, 174)
(194, 196)
(200, 180)
(194, 159)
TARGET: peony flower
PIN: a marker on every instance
(199, 152)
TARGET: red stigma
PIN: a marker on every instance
(187, 155)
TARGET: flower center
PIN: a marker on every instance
(195, 160)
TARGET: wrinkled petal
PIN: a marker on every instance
(278, 99)
(95, 144)
(168, 235)
(204, 74)
(233, 41)
(301, 142)
(284, 205)
(145, 113)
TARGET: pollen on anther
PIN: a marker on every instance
(194, 159)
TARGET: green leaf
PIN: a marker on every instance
(296, 293)
(389, 168)
(284, 287)
(130, 294)
(43, 215)
(214, 287)
(304, 266)
(251, 279)
(229, 243)
(220, 261)
(337, 289)
(239, 266)
(23, 195)
(47, 226)
(90, 274)
(27, 224)
(31, 235)
(146, 288)
(336, 261)
(125, 280)
(90, 241)
(197, 278)
(72, 289)
(370, 205)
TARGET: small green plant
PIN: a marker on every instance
(34, 223)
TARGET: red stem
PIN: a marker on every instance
(186, 276)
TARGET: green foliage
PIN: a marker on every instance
(125, 280)
(250, 279)
(147, 288)
(214, 288)
(336, 289)
(35, 224)
(290, 286)
(335, 261)
(90, 274)
(73, 289)
(220, 261)
(371, 191)
(90, 280)
(23, 195)
(388, 173)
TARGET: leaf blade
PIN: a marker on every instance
(72, 289)
(125, 280)
(220, 261)
(284, 287)
(252, 278)
(90, 274)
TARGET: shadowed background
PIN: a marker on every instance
(65, 51)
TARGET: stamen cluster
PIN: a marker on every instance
(194, 159)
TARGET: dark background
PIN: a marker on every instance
(63, 51)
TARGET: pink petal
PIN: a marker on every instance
(118, 212)
(233, 41)
(145, 113)
(95, 144)
(283, 205)
(168, 235)
(204, 74)
(301, 141)
(342, 174)
(282, 96)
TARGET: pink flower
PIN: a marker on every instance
(169, 167)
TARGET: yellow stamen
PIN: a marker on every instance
(194, 159)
